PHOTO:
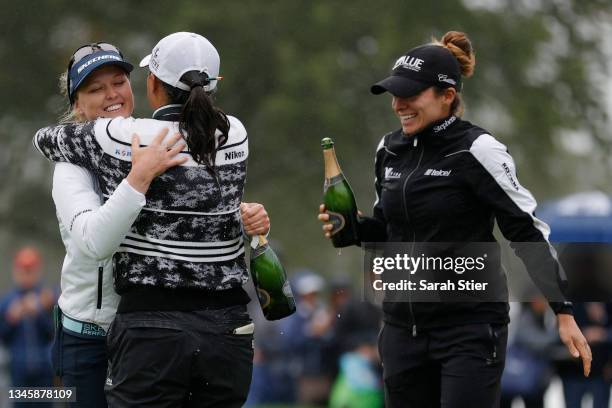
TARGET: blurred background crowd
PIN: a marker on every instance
(296, 72)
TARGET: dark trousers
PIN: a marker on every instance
(450, 367)
(180, 359)
(81, 363)
(576, 387)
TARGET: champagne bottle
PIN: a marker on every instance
(270, 280)
(339, 200)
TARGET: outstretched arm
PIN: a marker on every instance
(98, 229)
(493, 178)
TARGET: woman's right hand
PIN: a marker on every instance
(324, 217)
(150, 161)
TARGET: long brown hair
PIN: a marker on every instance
(459, 44)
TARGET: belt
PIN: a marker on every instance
(82, 328)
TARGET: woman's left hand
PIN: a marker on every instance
(575, 341)
(254, 219)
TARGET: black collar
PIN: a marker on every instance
(438, 132)
(170, 113)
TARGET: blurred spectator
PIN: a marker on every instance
(307, 348)
(359, 383)
(340, 294)
(272, 372)
(306, 335)
(528, 369)
(271, 368)
(354, 349)
(354, 319)
(26, 323)
(595, 321)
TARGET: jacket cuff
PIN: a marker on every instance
(131, 193)
(562, 307)
(371, 229)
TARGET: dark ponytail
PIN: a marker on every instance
(199, 118)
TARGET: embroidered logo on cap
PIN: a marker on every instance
(154, 63)
(409, 62)
(445, 78)
(96, 59)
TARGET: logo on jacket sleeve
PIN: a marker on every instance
(438, 173)
(234, 155)
(510, 178)
(391, 174)
(123, 152)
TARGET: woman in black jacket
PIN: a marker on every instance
(440, 179)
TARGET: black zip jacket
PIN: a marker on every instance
(448, 184)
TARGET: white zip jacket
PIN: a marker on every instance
(91, 233)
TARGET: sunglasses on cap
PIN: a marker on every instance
(86, 50)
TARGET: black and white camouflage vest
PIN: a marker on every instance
(189, 234)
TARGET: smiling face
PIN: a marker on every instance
(417, 112)
(106, 93)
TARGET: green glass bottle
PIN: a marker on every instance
(339, 200)
(270, 280)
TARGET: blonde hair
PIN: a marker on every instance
(460, 46)
(69, 115)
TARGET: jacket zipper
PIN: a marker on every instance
(414, 326)
(100, 272)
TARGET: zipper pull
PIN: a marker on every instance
(416, 141)
(414, 330)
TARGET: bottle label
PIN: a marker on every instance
(287, 289)
(332, 181)
(259, 250)
(264, 298)
(337, 221)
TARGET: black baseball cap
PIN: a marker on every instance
(421, 67)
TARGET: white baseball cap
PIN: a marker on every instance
(178, 53)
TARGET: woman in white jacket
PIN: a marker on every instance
(97, 85)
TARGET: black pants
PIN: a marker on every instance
(450, 367)
(81, 362)
(179, 359)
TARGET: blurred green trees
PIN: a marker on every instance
(296, 71)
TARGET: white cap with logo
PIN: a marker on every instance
(181, 52)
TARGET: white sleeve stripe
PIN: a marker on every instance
(381, 145)
(376, 192)
(490, 153)
(494, 157)
(35, 143)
